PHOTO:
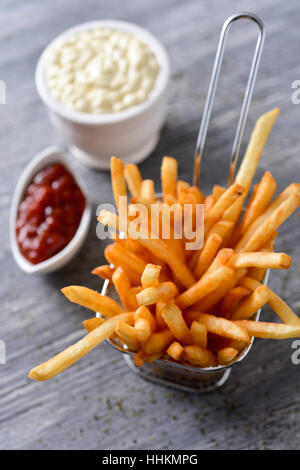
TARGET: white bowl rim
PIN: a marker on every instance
(96, 119)
(54, 153)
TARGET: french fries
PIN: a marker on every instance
(227, 355)
(255, 148)
(232, 298)
(207, 284)
(169, 176)
(261, 260)
(174, 319)
(150, 276)
(207, 255)
(175, 350)
(194, 306)
(92, 300)
(122, 285)
(133, 179)
(143, 330)
(251, 304)
(159, 342)
(118, 180)
(269, 330)
(104, 271)
(128, 335)
(223, 327)
(91, 323)
(199, 357)
(152, 295)
(69, 356)
(199, 334)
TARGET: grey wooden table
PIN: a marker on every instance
(99, 403)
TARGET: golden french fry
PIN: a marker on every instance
(207, 254)
(282, 309)
(160, 249)
(227, 355)
(276, 303)
(255, 148)
(153, 357)
(170, 200)
(251, 304)
(198, 356)
(223, 327)
(232, 298)
(122, 285)
(69, 356)
(190, 315)
(158, 342)
(261, 329)
(235, 344)
(174, 319)
(104, 271)
(209, 202)
(109, 219)
(199, 334)
(221, 228)
(93, 323)
(212, 299)
(262, 197)
(261, 260)
(259, 273)
(218, 191)
(269, 226)
(133, 291)
(182, 188)
(208, 283)
(175, 350)
(117, 180)
(128, 335)
(144, 313)
(152, 295)
(159, 307)
(133, 179)
(227, 198)
(150, 276)
(93, 300)
(169, 176)
(143, 330)
(225, 201)
(147, 192)
(192, 259)
(132, 264)
(139, 358)
(291, 190)
(233, 214)
(197, 194)
(222, 259)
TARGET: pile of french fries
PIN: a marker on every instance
(193, 306)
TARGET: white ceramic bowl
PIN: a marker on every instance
(131, 134)
(48, 156)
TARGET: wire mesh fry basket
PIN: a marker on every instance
(183, 376)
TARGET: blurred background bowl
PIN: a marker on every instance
(131, 134)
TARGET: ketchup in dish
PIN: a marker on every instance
(50, 213)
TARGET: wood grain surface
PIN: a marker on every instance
(99, 403)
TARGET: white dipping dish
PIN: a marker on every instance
(131, 134)
(47, 157)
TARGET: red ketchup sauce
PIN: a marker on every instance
(49, 213)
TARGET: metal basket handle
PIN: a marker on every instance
(212, 91)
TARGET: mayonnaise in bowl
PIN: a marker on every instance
(101, 70)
